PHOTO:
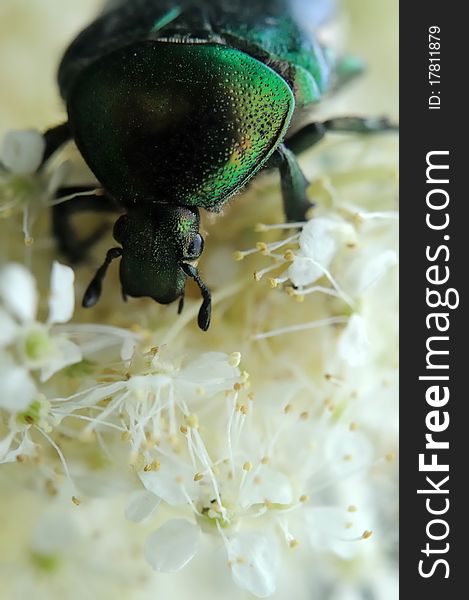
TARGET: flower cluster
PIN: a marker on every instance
(32, 352)
(244, 455)
(341, 255)
(220, 460)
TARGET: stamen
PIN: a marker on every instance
(262, 227)
(62, 199)
(60, 455)
(301, 327)
(258, 275)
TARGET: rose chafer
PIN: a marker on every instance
(175, 106)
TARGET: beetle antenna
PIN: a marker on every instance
(93, 291)
(205, 311)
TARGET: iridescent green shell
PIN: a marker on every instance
(281, 43)
(273, 31)
(183, 102)
(178, 123)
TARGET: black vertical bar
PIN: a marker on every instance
(433, 130)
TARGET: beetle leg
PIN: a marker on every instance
(68, 242)
(360, 125)
(293, 183)
(306, 137)
(54, 138)
(311, 134)
(181, 304)
(205, 311)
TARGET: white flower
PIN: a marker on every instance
(21, 152)
(240, 470)
(22, 186)
(157, 406)
(319, 241)
(340, 253)
(32, 352)
(48, 347)
(36, 345)
(151, 392)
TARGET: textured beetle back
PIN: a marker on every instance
(184, 124)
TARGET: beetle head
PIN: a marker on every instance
(157, 245)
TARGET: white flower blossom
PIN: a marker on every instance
(346, 255)
(23, 187)
(35, 344)
(32, 352)
(203, 448)
(21, 152)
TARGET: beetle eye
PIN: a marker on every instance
(196, 246)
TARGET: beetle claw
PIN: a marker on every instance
(93, 291)
(92, 294)
(205, 313)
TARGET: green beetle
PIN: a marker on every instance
(176, 105)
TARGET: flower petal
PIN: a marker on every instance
(174, 482)
(304, 271)
(366, 270)
(320, 240)
(211, 372)
(25, 448)
(59, 177)
(335, 529)
(8, 329)
(316, 239)
(17, 389)
(18, 291)
(254, 562)
(321, 237)
(266, 484)
(62, 294)
(354, 345)
(141, 505)
(64, 353)
(347, 452)
(5, 444)
(22, 150)
(128, 347)
(172, 546)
